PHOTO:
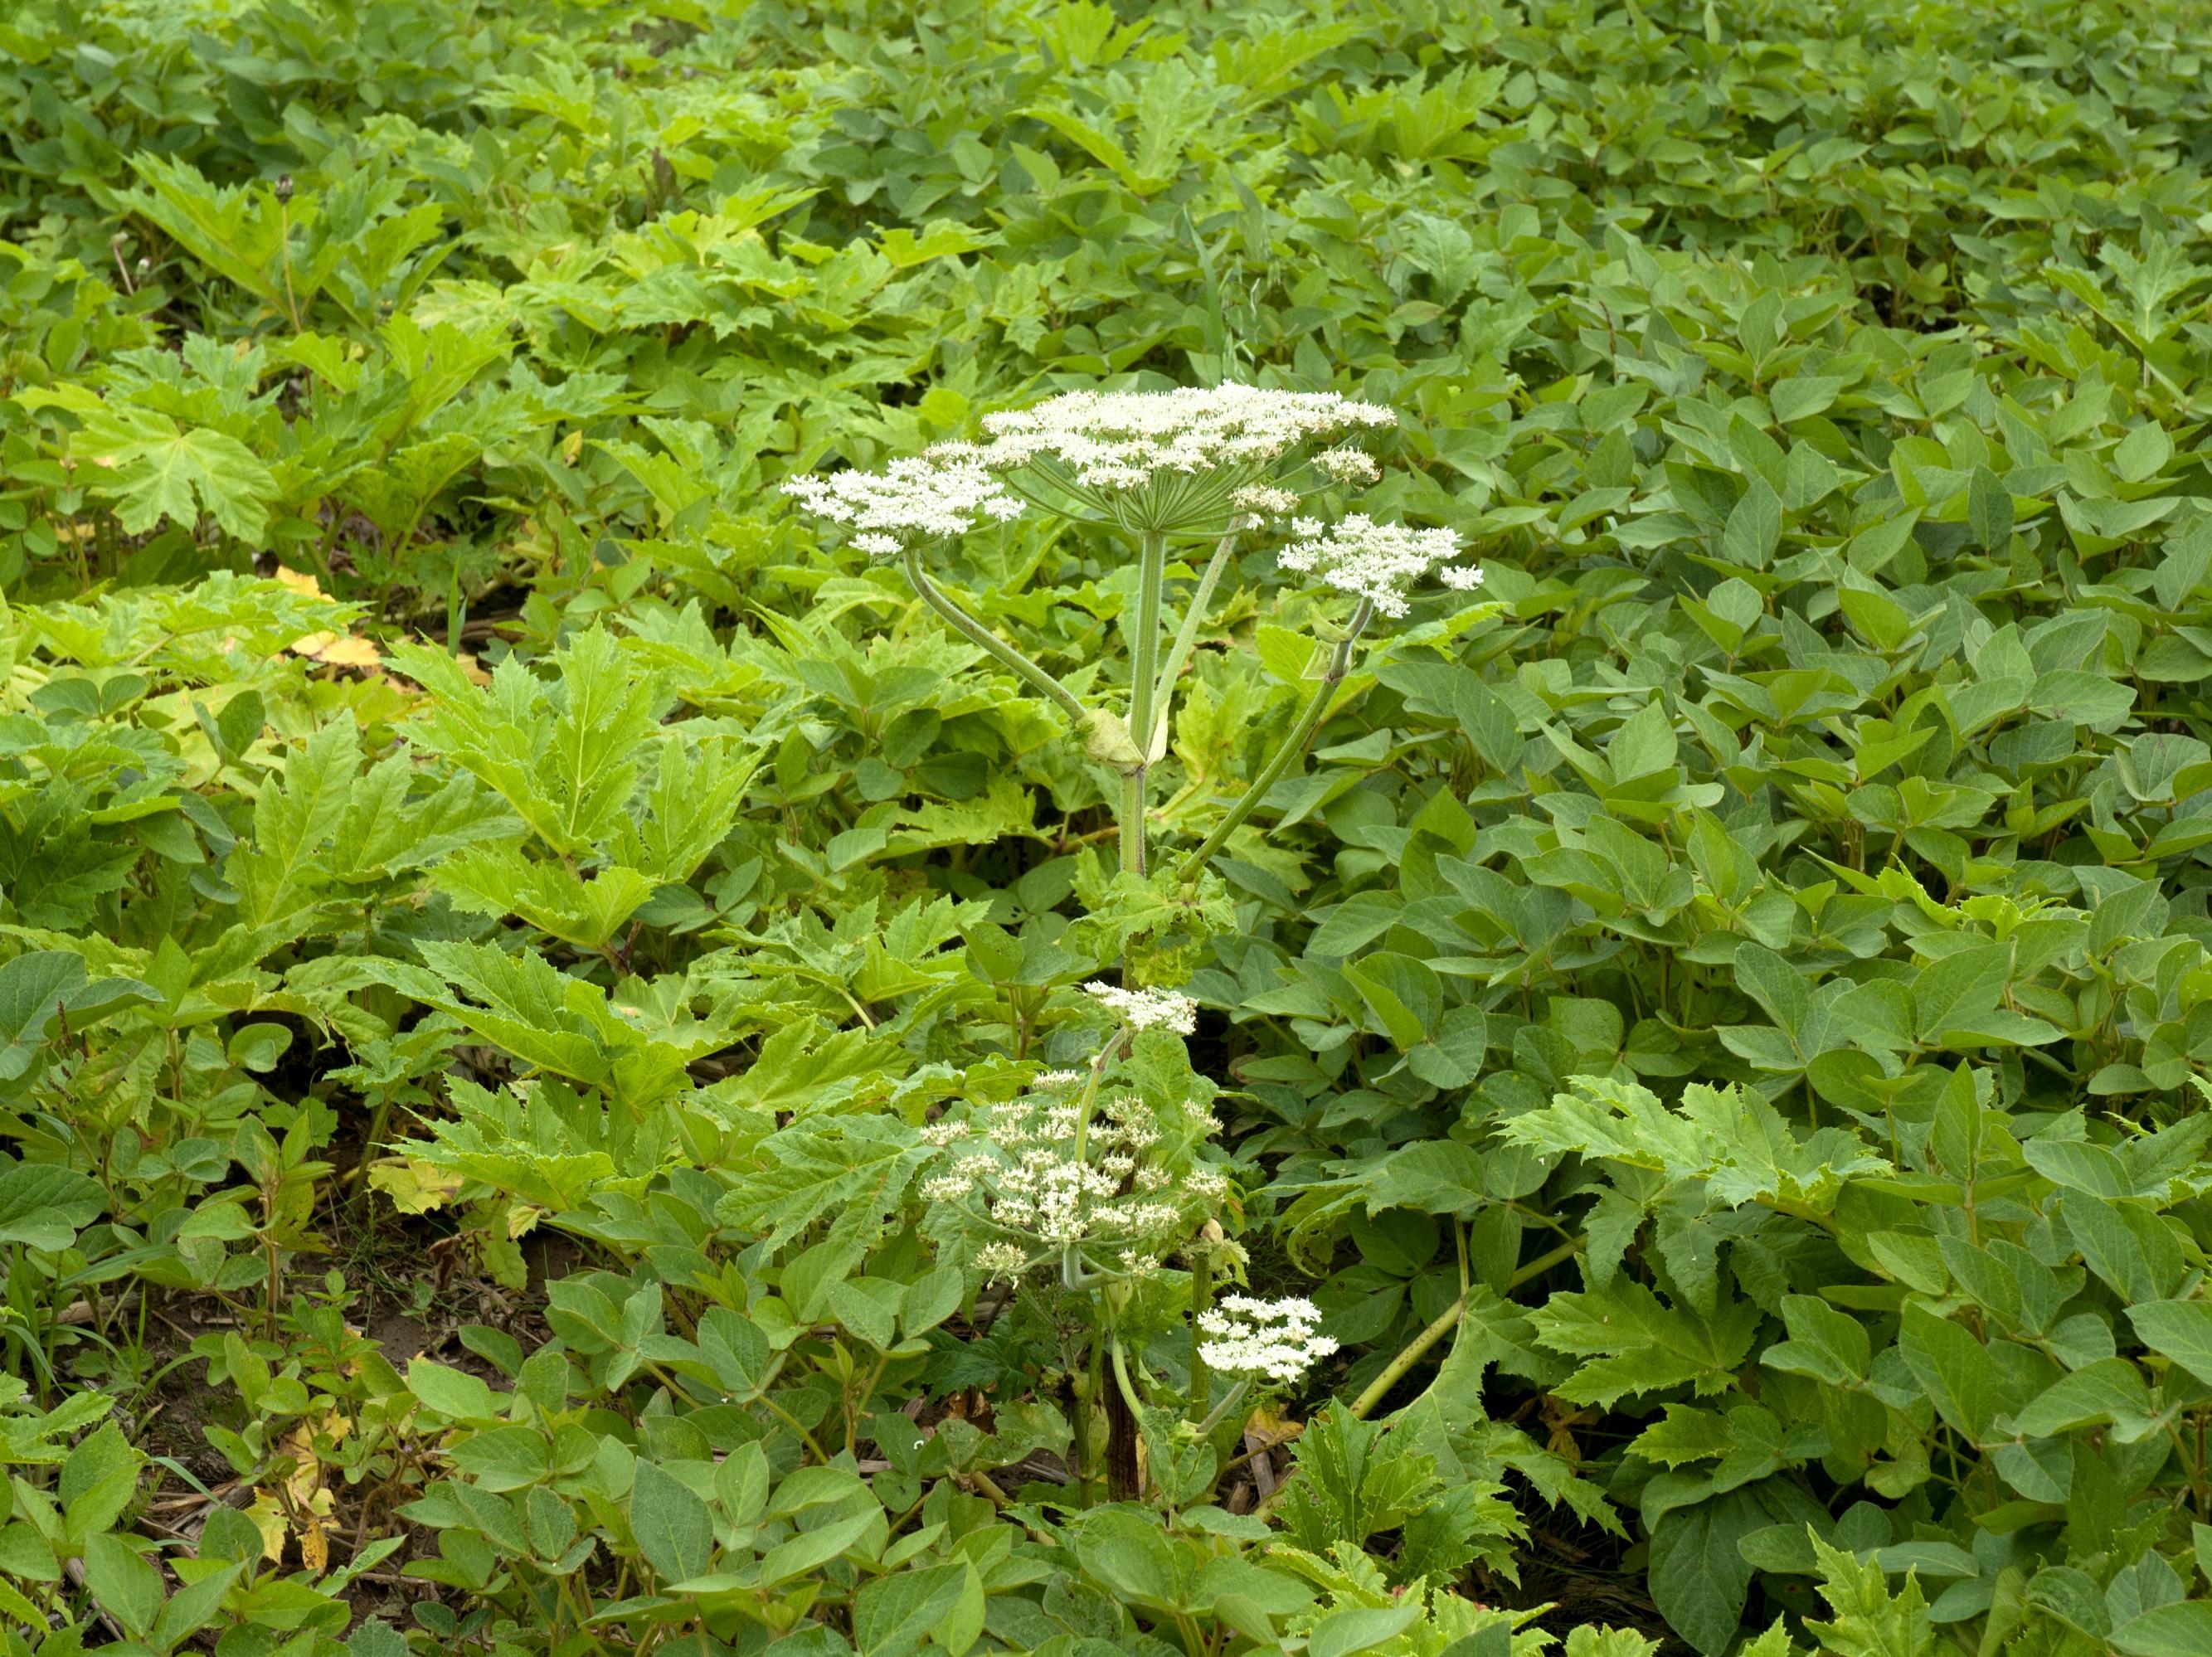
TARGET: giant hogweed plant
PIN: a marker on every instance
(1852, 772)
(1151, 472)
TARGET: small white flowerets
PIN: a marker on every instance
(1375, 561)
(1279, 1339)
(1120, 441)
(912, 499)
(1264, 499)
(1043, 1176)
(1002, 1260)
(1145, 1009)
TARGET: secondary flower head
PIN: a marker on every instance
(1145, 1009)
(911, 499)
(1379, 563)
(1003, 1260)
(1278, 1339)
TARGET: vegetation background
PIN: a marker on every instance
(1717, 1038)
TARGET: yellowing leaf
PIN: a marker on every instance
(338, 650)
(267, 1517)
(414, 1186)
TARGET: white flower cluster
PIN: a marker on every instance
(1003, 1260)
(1279, 1339)
(1265, 500)
(1039, 1170)
(1120, 441)
(1145, 1010)
(912, 499)
(1348, 466)
(1378, 562)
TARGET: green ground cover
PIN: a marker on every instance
(1654, 1100)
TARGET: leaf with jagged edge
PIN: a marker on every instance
(389, 830)
(532, 1011)
(561, 753)
(584, 910)
(1865, 1619)
(296, 816)
(851, 1170)
(550, 1147)
(238, 233)
(689, 809)
(1731, 1139)
(1634, 1343)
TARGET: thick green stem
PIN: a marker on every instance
(1121, 1362)
(1186, 638)
(1133, 820)
(1094, 1396)
(968, 627)
(1201, 1302)
(1219, 1412)
(1085, 1389)
(1294, 745)
(1143, 704)
(1417, 1348)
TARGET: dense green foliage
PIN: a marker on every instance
(490, 899)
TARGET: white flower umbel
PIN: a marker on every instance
(1048, 1172)
(1003, 1261)
(1145, 1009)
(1172, 461)
(1378, 562)
(911, 499)
(1274, 1340)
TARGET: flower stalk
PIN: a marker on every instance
(1186, 638)
(1144, 700)
(1293, 746)
(974, 630)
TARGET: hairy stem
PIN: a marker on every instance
(1294, 745)
(1144, 695)
(1201, 1301)
(1122, 1478)
(1417, 1348)
(1187, 635)
(970, 629)
(1219, 1412)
